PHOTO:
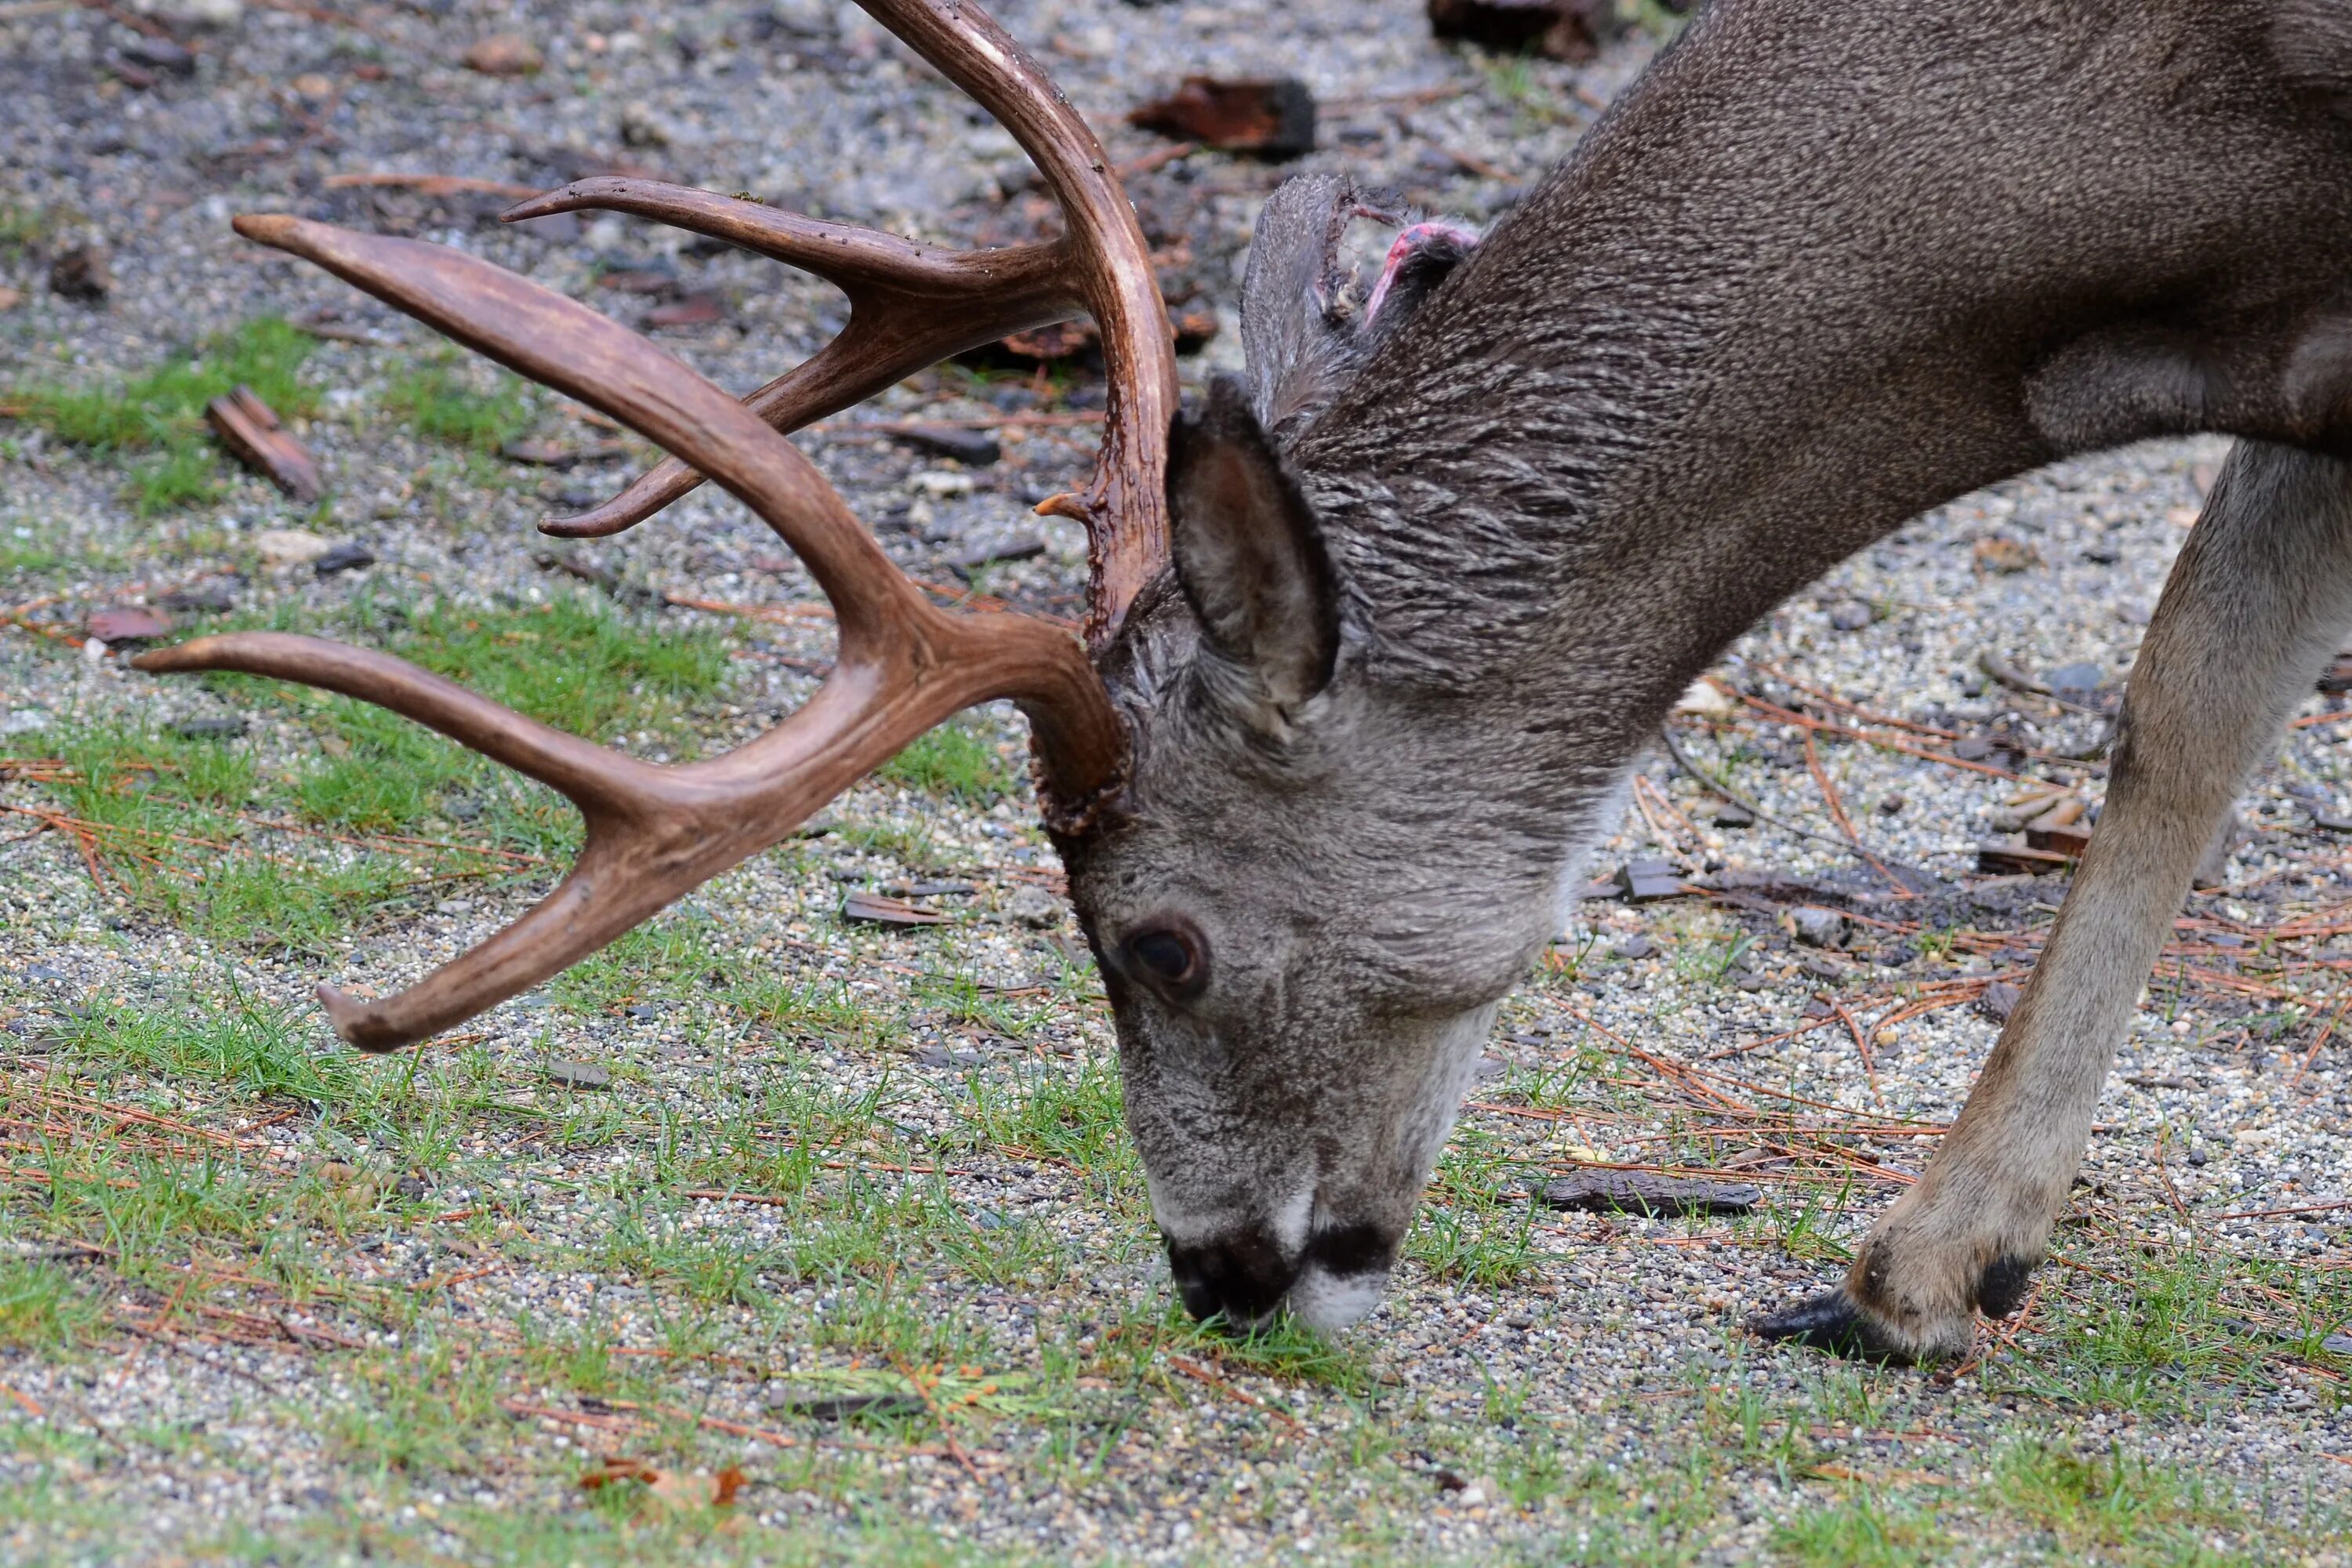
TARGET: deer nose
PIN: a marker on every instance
(1243, 1276)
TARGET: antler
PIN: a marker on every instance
(654, 833)
(912, 305)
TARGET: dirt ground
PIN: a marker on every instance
(776, 1235)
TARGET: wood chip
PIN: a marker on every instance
(1273, 117)
(1643, 1191)
(249, 429)
(880, 909)
(1561, 29)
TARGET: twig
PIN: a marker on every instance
(1743, 802)
(432, 185)
(2313, 1055)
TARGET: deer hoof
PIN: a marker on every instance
(1830, 1322)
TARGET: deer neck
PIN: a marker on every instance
(1746, 329)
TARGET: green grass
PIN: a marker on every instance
(183, 829)
(454, 398)
(43, 1307)
(1859, 1531)
(953, 761)
(157, 421)
(21, 227)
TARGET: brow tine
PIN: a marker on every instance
(591, 777)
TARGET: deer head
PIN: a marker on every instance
(1289, 1072)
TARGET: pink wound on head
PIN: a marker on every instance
(1419, 238)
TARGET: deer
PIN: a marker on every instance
(1377, 630)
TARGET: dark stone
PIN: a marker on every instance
(161, 53)
(1998, 1001)
(1647, 881)
(2075, 681)
(343, 558)
(204, 598)
(973, 448)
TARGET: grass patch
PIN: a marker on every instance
(205, 834)
(459, 400)
(953, 761)
(43, 1307)
(159, 416)
(1859, 1531)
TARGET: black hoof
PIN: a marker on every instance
(1831, 1322)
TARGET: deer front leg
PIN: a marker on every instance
(2255, 608)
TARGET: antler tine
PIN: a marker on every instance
(1100, 260)
(654, 833)
(568, 347)
(1124, 507)
(909, 306)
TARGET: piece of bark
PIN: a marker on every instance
(128, 623)
(1646, 1193)
(1273, 117)
(1562, 30)
(880, 909)
(693, 310)
(2000, 859)
(1647, 881)
(249, 429)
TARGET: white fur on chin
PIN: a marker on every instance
(1328, 1302)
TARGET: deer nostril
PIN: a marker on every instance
(1243, 1276)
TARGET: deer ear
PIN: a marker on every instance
(1249, 554)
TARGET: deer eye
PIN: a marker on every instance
(1169, 957)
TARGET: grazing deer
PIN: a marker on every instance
(1376, 633)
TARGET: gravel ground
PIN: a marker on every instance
(400, 1355)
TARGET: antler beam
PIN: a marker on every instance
(655, 833)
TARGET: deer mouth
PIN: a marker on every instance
(1248, 1279)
